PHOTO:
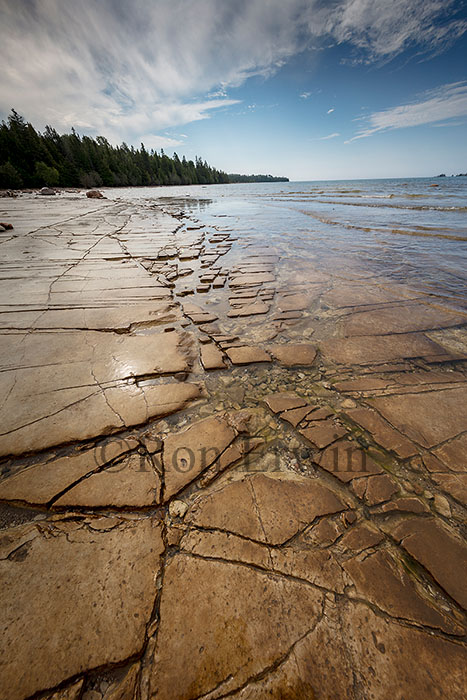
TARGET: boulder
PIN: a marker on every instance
(95, 194)
(47, 190)
(7, 227)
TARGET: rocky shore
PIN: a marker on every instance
(222, 476)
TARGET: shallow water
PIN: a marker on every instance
(409, 231)
(347, 297)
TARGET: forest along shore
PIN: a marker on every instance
(222, 473)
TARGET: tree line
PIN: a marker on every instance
(29, 158)
(235, 177)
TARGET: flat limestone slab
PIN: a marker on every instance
(81, 414)
(401, 319)
(39, 483)
(354, 640)
(426, 417)
(383, 433)
(79, 315)
(74, 597)
(245, 280)
(227, 555)
(284, 402)
(365, 350)
(323, 433)
(399, 595)
(131, 483)
(212, 357)
(110, 356)
(253, 507)
(454, 453)
(437, 550)
(251, 605)
(254, 309)
(245, 354)
(296, 302)
(110, 317)
(293, 354)
(189, 452)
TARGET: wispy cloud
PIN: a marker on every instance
(383, 29)
(305, 95)
(449, 124)
(444, 103)
(330, 111)
(156, 141)
(218, 93)
(331, 136)
(131, 68)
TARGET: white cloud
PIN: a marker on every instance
(330, 111)
(385, 28)
(448, 124)
(305, 95)
(155, 141)
(331, 136)
(129, 68)
(218, 93)
(446, 102)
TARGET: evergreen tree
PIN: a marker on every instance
(45, 175)
(30, 159)
(10, 179)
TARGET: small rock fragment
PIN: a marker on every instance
(442, 505)
(212, 357)
(283, 402)
(177, 509)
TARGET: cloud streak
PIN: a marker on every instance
(330, 136)
(444, 103)
(130, 68)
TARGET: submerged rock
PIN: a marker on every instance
(296, 542)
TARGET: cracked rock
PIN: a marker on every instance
(98, 604)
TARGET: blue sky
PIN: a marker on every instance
(310, 89)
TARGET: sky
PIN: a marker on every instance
(307, 89)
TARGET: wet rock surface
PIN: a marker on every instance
(225, 472)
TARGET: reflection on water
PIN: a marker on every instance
(190, 203)
(410, 231)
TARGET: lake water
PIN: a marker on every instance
(412, 231)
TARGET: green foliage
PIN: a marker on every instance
(30, 159)
(46, 175)
(235, 177)
(10, 179)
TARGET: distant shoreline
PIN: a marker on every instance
(7, 192)
(32, 159)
